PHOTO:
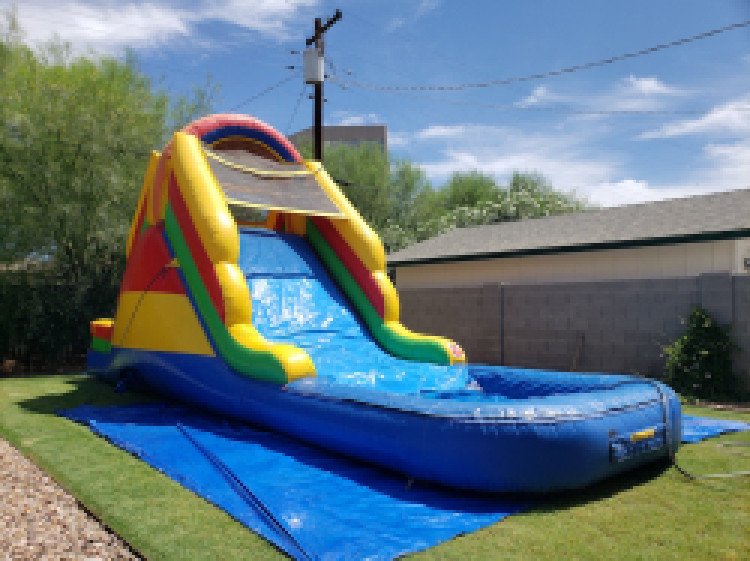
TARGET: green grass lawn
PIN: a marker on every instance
(654, 513)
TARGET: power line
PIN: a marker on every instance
(567, 108)
(547, 74)
(296, 108)
(261, 93)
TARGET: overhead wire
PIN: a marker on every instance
(296, 108)
(568, 108)
(548, 74)
(265, 91)
(557, 108)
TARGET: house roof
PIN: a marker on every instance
(700, 218)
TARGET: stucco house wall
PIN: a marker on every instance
(667, 261)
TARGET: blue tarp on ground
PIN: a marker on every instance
(695, 429)
(311, 504)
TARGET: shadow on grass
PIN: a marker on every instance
(564, 500)
(85, 390)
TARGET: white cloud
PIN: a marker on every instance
(649, 85)
(422, 8)
(499, 151)
(632, 93)
(445, 131)
(539, 96)
(564, 172)
(103, 27)
(270, 17)
(724, 167)
(732, 117)
(728, 164)
(109, 26)
(635, 93)
(395, 23)
(572, 162)
(427, 6)
(632, 191)
(398, 139)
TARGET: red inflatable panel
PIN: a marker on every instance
(358, 270)
(280, 223)
(101, 331)
(205, 267)
(145, 267)
(139, 222)
(208, 124)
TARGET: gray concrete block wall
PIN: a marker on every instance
(470, 316)
(741, 326)
(610, 326)
(717, 296)
(606, 326)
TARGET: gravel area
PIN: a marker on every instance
(39, 520)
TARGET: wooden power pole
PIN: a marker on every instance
(314, 73)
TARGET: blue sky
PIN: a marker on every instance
(673, 123)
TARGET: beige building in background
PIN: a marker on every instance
(351, 135)
(600, 290)
(674, 238)
(660, 261)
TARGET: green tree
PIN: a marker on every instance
(412, 202)
(412, 198)
(362, 172)
(526, 196)
(75, 139)
(468, 190)
(530, 195)
(186, 108)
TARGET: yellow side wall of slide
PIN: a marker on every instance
(150, 320)
(219, 235)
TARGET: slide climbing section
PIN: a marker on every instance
(184, 289)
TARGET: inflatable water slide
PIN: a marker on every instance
(254, 289)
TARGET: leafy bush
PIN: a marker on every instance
(699, 362)
(45, 319)
(75, 138)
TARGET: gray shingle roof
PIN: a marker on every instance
(716, 216)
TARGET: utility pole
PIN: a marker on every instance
(314, 73)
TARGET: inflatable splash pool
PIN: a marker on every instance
(255, 290)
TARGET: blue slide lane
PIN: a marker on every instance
(295, 300)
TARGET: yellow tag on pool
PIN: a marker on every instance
(643, 434)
